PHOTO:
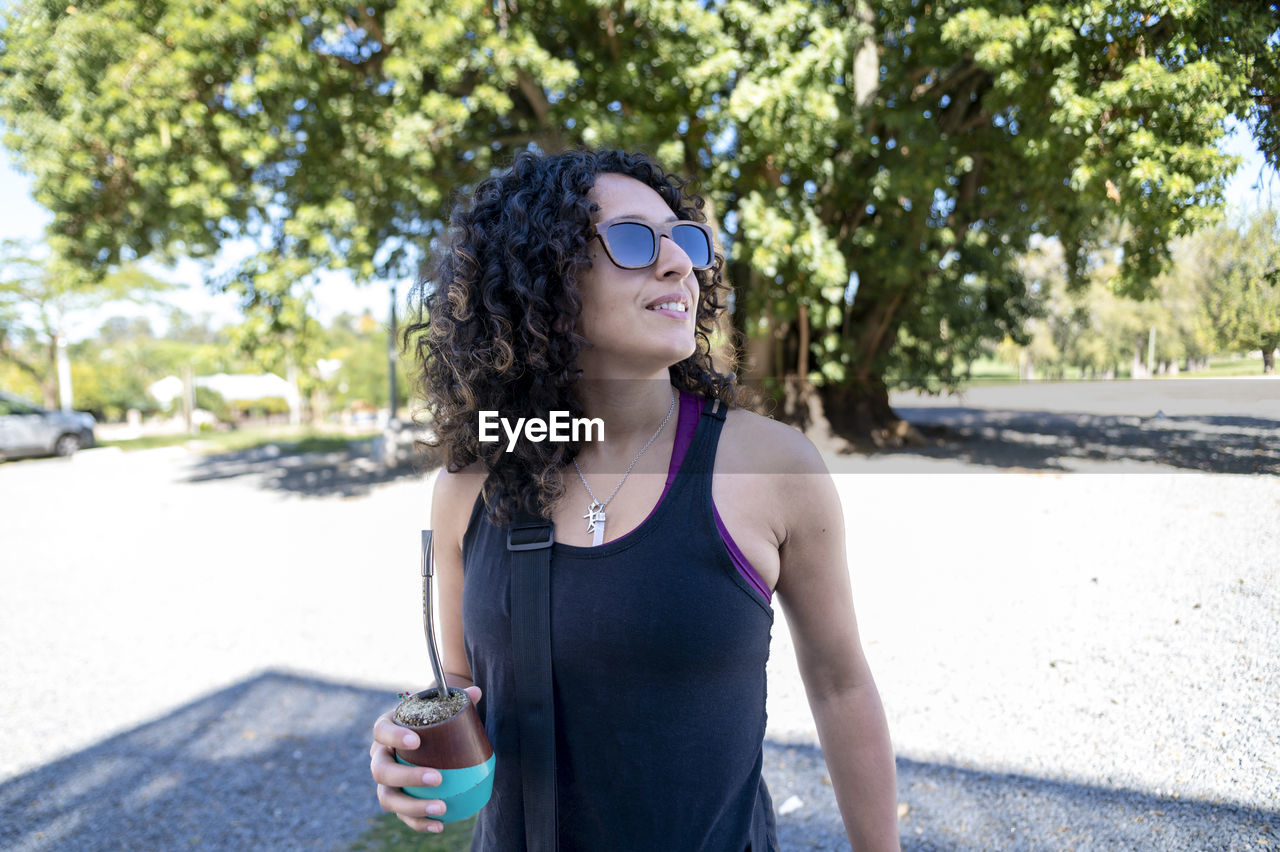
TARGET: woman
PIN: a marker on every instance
(585, 282)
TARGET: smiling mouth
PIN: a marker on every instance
(679, 307)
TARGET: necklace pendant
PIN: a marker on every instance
(594, 516)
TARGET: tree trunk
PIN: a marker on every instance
(754, 354)
(802, 351)
(50, 383)
(861, 415)
(859, 411)
(856, 412)
(295, 395)
(1268, 361)
(62, 366)
(866, 59)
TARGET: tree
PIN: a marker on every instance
(113, 368)
(359, 344)
(1239, 277)
(38, 297)
(1096, 328)
(331, 137)
(1189, 322)
(988, 125)
(877, 167)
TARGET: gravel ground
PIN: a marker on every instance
(1095, 667)
(195, 649)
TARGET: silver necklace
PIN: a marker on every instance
(595, 512)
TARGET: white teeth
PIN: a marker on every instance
(670, 306)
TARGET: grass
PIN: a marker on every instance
(389, 834)
(1226, 366)
(289, 441)
(988, 371)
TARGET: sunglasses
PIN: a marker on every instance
(633, 243)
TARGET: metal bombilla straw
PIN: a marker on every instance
(428, 620)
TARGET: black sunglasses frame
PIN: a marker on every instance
(659, 230)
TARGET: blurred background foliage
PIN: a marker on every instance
(112, 369)
(1214, 297)
(903, 187)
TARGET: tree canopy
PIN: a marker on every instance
(877, 168)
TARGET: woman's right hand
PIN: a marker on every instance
(392, 776)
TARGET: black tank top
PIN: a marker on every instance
(659, 647)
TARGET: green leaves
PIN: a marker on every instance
(1237, 280)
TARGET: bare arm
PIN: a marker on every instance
(451, 503)
(815, 594)
(450, 510)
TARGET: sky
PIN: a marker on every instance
(1253, 186)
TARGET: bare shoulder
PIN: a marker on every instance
(453, 497)
(771, 485)
(758, 444)
(458, 484)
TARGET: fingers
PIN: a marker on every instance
(434, 826)
(391, 775)
(415, 813)
(385, 769)
(391, 735)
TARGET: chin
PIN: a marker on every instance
(681, 345)
(663, 357)
(682, 353)
(643, 351)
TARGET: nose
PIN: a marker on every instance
(672, 260)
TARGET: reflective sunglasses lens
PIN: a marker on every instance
(631, 244)
(694, 242)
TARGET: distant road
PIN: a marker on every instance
(1246, 396)
(1208, 425)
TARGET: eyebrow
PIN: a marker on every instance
(672, 218)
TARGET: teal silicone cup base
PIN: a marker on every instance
(459, 750)
(464, 791)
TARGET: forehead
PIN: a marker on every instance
(620, 195)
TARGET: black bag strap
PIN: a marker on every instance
(529, 540)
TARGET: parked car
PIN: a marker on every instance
(26, 429)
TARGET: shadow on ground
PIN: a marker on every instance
(226, 772)
(953, 808)
(1049, 440)
(985, 437)
(349, 473)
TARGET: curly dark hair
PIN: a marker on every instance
(495, 320)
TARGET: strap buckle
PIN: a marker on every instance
(530, 534)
